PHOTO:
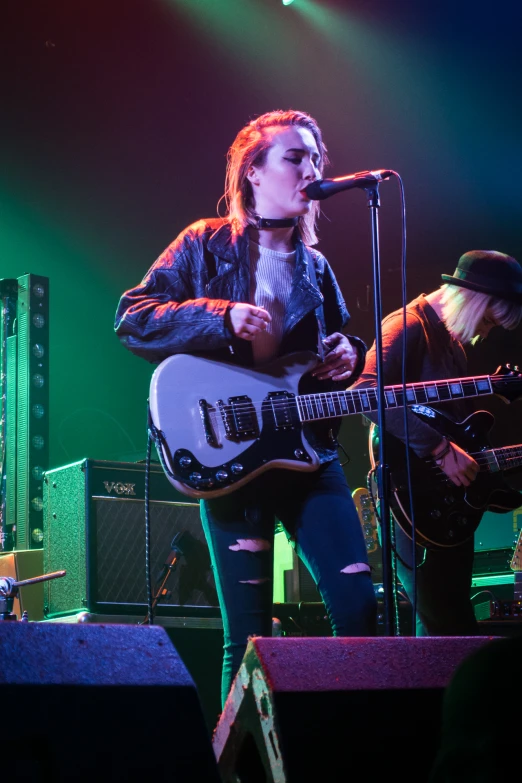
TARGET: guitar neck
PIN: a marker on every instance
(495, 460)
(327, 405)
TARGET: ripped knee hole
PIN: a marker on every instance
(250, 545)
(355, 568)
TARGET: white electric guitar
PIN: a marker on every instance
(217, 425)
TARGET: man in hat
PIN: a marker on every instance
(485, 291)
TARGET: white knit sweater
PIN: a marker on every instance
(270, 282)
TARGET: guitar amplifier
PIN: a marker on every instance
(94, 528)
(497, 531)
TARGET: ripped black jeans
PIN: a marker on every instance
(318, 514)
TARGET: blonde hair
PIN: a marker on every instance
(250, 148)
(463, 310)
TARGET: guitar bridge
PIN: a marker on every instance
(204, 410)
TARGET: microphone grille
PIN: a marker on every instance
(314, 190)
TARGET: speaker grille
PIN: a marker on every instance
(120, 552)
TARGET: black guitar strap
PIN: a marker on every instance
(211, 263)
(319, 312)
(322, 333)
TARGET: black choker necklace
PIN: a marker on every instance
(262, 222)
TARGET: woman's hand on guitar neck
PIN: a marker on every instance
(456, 463)
(340, 360)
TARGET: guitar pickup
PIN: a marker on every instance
(282, 409)
(239, 418)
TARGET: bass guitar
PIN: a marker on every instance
(364, 506)
(446, 515)
(217, 425)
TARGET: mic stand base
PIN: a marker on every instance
(6, 614)
(168, 568)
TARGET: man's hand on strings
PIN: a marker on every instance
(456, 463)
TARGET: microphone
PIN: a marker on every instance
(324, 188)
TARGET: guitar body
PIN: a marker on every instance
(219, 425)
(445, 515)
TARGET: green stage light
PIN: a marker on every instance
(287, 2)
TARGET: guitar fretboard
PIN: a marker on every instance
(494, 460)
(326, 405)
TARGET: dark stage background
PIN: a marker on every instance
(116, 119)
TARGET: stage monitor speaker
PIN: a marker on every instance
(330, 708)
(99, 702)
(94, 521)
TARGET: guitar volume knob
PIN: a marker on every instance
(461, 520)
(185, 462)
(236, 468)
(221, 475)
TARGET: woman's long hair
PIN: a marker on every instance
(250, 148)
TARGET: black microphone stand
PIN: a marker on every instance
(383, 479)
(9, 591)
(160, 590)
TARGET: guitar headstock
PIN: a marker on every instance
(516, 559)
(364, 505)
(507, 382)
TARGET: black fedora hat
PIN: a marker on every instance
(489, 272)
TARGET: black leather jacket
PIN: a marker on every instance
(180, 307)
